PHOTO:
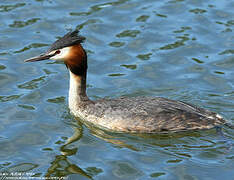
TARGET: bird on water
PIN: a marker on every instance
(124, 114)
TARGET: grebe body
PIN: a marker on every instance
(124, 114)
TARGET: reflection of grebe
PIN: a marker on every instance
(124, 114)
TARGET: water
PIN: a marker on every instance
(180, 49)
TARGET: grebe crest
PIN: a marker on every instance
(124, 114)
(68, 49)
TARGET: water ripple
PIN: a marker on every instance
(6, 8)
(21, 24)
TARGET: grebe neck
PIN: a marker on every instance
(77, 90)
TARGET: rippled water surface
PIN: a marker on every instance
(180, 49)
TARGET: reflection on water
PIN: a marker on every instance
(180, 49)
(177, 146)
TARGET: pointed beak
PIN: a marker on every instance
(39, 58)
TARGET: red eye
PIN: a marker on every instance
(57, 52)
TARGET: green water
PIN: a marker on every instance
(179, 49)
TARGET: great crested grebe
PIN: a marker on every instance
(124, 114)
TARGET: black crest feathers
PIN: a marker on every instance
(67, 40)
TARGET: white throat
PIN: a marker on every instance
(77, 92)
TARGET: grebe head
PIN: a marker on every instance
(68, 49)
